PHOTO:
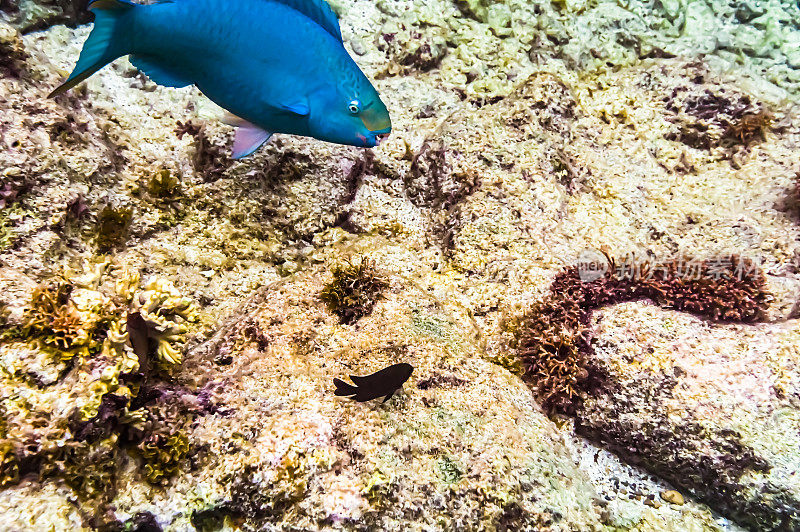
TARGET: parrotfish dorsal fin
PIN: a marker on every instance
(319, 11)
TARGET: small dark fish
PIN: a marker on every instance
(382, 383)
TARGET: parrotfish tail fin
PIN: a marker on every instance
(342, 388)
(104, 43)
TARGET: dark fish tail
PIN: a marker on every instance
(108, 40)
(342, 388)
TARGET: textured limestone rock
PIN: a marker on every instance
(715, 409)
(516, 147)
(461, 443)
(30, 15)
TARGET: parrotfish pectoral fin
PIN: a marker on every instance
(158, 73)
(104, 43)
(248, 139)
(298, 108)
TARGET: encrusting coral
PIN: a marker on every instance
(80, 325)
(553, 338)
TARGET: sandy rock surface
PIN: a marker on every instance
(167, 351)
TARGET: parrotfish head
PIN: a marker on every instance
(351, 114)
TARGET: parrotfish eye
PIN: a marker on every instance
(354, 107)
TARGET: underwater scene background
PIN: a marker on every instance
(583, 233)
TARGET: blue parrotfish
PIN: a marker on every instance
(383, 383)
(277, 66)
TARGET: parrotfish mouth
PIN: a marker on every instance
(375, 138)
(380, 137)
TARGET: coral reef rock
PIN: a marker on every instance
(171, 319)
(714, 410)
(468, 446)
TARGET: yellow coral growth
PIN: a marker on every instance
(9, 465)
(83, 315)
(163, 454)
(166, 312)
(54, 318)
(126, 284)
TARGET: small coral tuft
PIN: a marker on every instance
(211, 158)
(163, 184)
(112, 226)
(165, 312)
(355, 289)
(749, 127)
(53, 315)
(162, 454)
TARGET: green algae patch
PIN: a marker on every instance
(449, 471)
(434, 326)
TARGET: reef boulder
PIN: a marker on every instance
(713, 408)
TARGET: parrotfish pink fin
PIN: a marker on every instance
(248, 139)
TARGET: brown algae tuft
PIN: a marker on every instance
(163, 454)
(210, 158)
(355, 289)
(112, 227)
(553, 337)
